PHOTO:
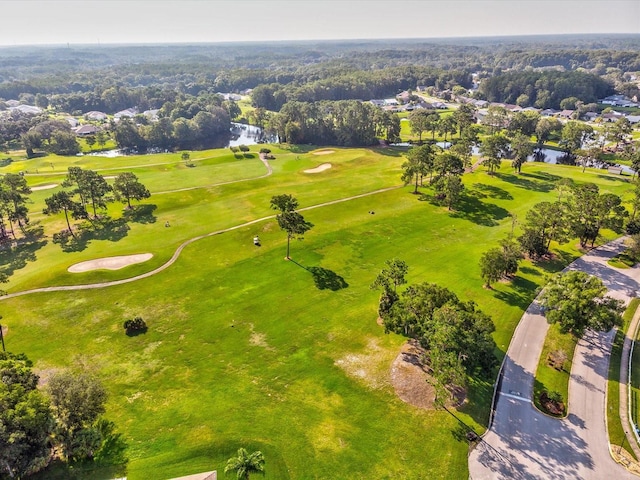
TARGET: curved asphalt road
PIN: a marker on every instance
(522, 443)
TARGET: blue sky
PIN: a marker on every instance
(26, 22)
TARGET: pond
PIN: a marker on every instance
(240, 134)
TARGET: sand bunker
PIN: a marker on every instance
(109, 263)
(319, 168)
(109, 177)
(44, 187)
(324, 152)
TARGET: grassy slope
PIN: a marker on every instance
(244, 349)
(614, 422)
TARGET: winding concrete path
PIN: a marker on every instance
(523, 443)
(182, 246)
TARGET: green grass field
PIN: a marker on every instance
(614, 422)
(246, 349)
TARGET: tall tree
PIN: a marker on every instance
(521, 148)
(288, 219)
(91, 186)
(419, 122)
(17, 192)
(493, 149)
(388, 280)
(245, 463)
(590, 211)
(126, 187)
(464, 116)
(77, 401)
(545, 222)
(574, 135)
(62, 202)
(577, 301)
(419, 163)
(26, 422)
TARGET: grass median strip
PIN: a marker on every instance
(551, 384)
(614, 422)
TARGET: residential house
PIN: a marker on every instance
(127, 112)
(565, 114)
(28, 109)
(152, 115)
(633, 119)
(590, 116)
(12, 103)
(72, 121)
(404, 97)
(548, 112)
(96, 116)
(512, 108)
(85, 130)
(611, 117)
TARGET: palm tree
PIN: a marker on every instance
(245, 463)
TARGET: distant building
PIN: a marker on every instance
(127, 112)
(85, 130)
(28, 109)
(96, 116)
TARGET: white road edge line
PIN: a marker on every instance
(515, 397)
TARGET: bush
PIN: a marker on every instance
(135, 326)
(234, 149)
(265, 150)
(244, 148)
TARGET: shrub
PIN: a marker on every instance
(234, 149)
(265, 150)
(135, 326)
(243, 148)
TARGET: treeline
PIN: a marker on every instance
(112, 93)
(356, 85)
(348, 123)
(544, 89)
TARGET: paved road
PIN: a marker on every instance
(522, 443)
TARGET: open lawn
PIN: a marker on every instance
(247, 349)
(614, 422)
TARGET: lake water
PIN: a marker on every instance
(240, 134)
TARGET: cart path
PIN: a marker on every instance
(182, 246)
(264, 160)
(521, 442)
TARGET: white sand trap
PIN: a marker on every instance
(109, 177)
(319, 168)
(44, 187)
(324, 152)
(109, 263)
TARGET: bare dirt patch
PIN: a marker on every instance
(44, 187)
(324, 152)
(109, 263)
(258, 339)
(411, 380)
(371, 368)
(319, 168)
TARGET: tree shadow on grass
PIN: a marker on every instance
(530, 271)
(555, 263)
(16, 256)
(58, 470)
(141, 214)
(98, 229)
(491, 191)
(471, 208)
(390, 151)
(523, 182)
(324, 278)
(520, 295)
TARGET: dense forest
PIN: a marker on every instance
(307, 92)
